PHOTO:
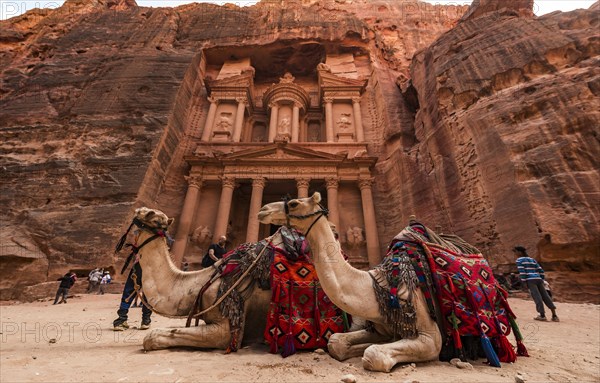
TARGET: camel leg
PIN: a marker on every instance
(342, 346)
(214, 335)
(383, 357)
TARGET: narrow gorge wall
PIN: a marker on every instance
(489, 131)
(506, 134)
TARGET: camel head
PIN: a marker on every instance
(301, 213)
(153, 218)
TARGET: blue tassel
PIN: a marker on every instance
(394, 302)
(288, 346)
(489, 351)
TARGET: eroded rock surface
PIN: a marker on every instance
(491, 132)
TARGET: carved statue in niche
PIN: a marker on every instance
(224, 123)
(259, 134)
(354, 237)
(358, 235)
(314, 133)
(202, 236)
(283, 129)
(343, 123)
(287, 78)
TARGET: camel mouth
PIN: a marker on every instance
(263, 217)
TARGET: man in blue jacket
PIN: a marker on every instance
(532, 275)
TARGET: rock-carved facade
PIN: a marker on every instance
(262, 140)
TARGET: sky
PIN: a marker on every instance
(11, 8)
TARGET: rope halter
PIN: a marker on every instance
(320, 213)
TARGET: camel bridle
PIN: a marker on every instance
(322, 212)
(158, 232)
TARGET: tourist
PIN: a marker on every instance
(515, 282)
(66, 281)
(106, 279)
(94, 278)
(215, 252)
(129, 291)
(547, 288)
(532, 274)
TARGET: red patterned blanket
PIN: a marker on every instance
(301, 316)
(472, 303)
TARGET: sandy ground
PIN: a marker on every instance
(87, 350)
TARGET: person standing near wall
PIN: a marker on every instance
(532, 275)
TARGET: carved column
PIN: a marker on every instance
(185, 219)
(360, 134)
(373, 251)
(239, 119)
(295, 122)
(258, 185)
(328, 118)
(228, 184)
(332, 199)
(273, 122)
(210, 119)
(302, 184)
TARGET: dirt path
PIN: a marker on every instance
(87, 350)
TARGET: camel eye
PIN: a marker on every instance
(293, 204)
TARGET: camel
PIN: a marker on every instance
(171, 292)
(352, 290)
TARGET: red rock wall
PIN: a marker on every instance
(99, 98)
(493, 140)
(506, 136)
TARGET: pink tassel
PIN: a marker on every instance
(506, 350)
(521, 349)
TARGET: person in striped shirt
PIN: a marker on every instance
(532, 275)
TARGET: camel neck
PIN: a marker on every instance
(346, 286)
(168, 289)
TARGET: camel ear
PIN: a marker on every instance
(316, 197)
(170, 221)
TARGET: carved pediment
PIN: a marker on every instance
(281, 152)
(244, 80)
(329, 80)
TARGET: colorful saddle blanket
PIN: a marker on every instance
(301, 316)
(471, 303)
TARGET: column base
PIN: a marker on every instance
(221, 135)
(345, 137)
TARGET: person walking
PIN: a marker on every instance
(134, 277)
(95, 278)
(66, 282)
(532, 275)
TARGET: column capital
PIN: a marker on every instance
(194, 181)
(303, 182)
(332, 182)
(212, 99)
(228, 182)
(328, 100)
(297, 105)
(356, 99)
(240, 100)
(365, 183)
(273, 105)
(259, 182)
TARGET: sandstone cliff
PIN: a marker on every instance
(506, 136)
(493, 138)
(96, 102)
